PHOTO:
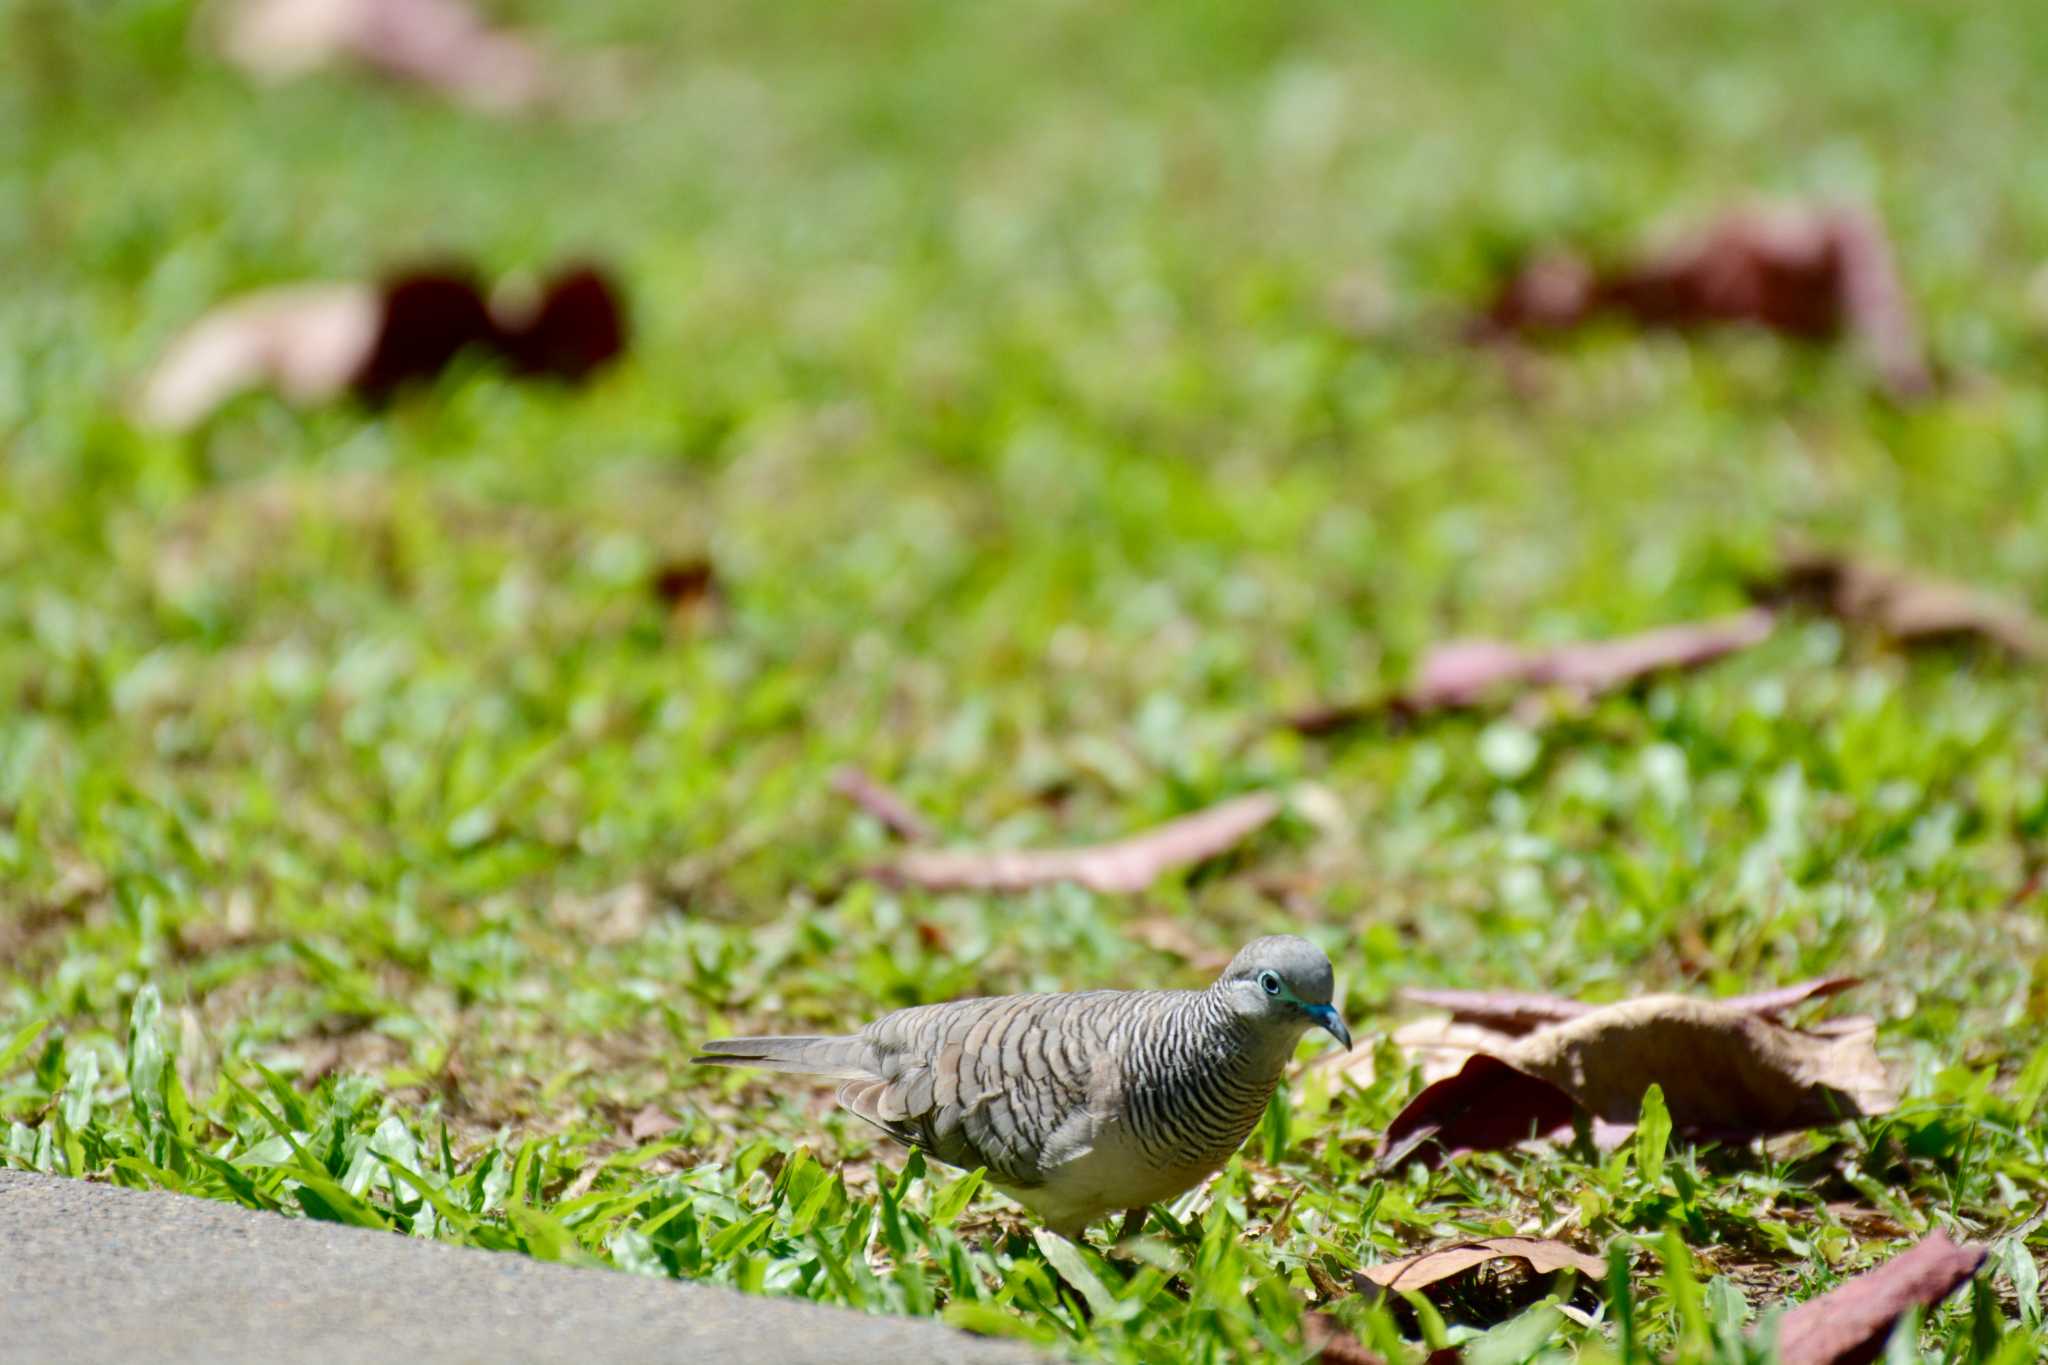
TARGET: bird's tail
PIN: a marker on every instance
(845, 1058)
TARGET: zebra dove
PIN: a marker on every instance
(1080, 1104)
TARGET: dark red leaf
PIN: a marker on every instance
(578, 328)
(1488, 1105)
(430, 316)
(1812, 273)
(1850, 1324)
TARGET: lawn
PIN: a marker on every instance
(1057, 392)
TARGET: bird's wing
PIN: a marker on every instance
(1017, 1084)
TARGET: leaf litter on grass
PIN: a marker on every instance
(1727, 1071)
(1808, 271)
(314, 343)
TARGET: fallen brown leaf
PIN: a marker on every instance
(1514, 1012)
(1721, 1068)
(1912, 608)
(1119, 868)
(1726, 1072)
(439, 45)
(1807, 272)
(1485, 1106)
(1467, 673)
(897, 815)
(306, 341)
(1333, 1344)
(688, 588)
(313, 343)
(1850, 1324)
(650, 1123)
(1420, 1271)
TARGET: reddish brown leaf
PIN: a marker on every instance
(1486, 1106)
(1333, 1344)
(1468, 673)
(1515, 1013)
(1849, 1325)
(1912, 608)
(688, 588)
(897, 815)
(313, 343)
(1811, 273)
(650, 1123)
(429, 317)
(1119, 868)
(1725, 1071)
(574, 328)
(1427, 1268)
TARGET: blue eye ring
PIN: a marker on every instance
(1269, 982)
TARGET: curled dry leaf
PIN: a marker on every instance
(1427, 1268)
(1726, 1072)
(1515, 1012)
(1119, 868)
(1912, 608)
(1484, 1106)
(313, 343)
(1850, 1324)
(307, 341)
(1467, 673)
(1807, 272)
(897, 815)
(1721, 1069)
(439, 45)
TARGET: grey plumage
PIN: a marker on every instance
(1077, 1104)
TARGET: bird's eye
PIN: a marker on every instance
(1269, 983)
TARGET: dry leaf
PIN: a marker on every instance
(688, 588)
(1420, 1271)
(1911, 608)
(313, 343)
(1467, 673)
(1812, 273)
(1725, 1071)
(1513, 1012)
(1332, 1343)
(1722, 1069)
(650, 1123)
(441, 45)
(1850, 1324)
(1119, 868)
(897, 815)
(1486, 1106)
(307, 341)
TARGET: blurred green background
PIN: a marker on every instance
(1057, 390)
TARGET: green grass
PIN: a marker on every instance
(375, 848)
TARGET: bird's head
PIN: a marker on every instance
(1284, 982)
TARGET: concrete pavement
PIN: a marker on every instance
(99, 1273)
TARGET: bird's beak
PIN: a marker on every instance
(1328, 1020)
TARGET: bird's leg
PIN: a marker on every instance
(1134, 1223)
